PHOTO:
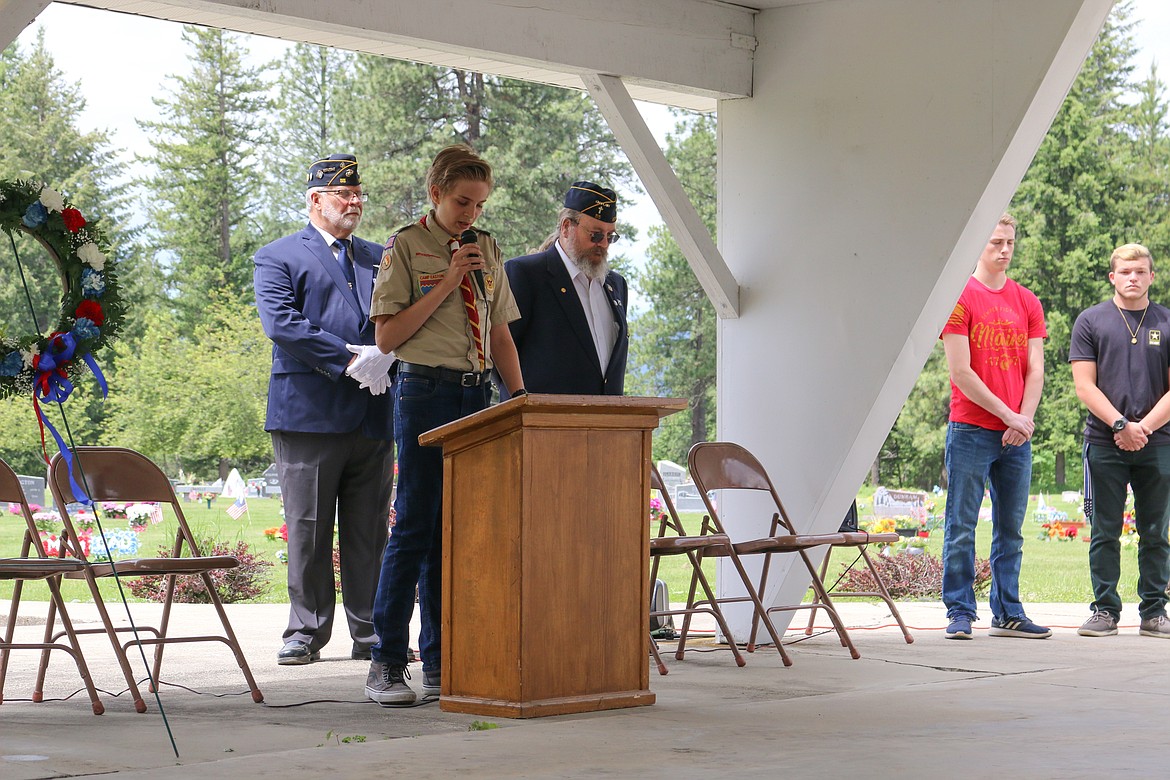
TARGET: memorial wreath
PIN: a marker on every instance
(91, 308)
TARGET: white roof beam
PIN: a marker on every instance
(688, 53)
(666, 191)
(15, 15)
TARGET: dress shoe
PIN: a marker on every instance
(360, 652)
(296, 653)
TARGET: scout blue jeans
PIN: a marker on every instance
(414, 551)
(975, 457)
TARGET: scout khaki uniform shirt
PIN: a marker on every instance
(415, 260)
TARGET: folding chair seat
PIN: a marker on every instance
(37, 566)
(726, 466)
(123, 475)
(672, 539)
(860, 540)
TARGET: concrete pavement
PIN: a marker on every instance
(1065, 707)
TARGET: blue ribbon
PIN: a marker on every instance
(52, 384)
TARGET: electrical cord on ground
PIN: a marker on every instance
(422, 701)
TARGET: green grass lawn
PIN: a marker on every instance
(1053, 571)
(205, 523)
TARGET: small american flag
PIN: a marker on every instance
(238, 508)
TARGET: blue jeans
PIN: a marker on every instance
(976, 456)
(1148, 471)
(414, 551)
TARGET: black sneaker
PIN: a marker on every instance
(432, 682)
(296, 653)
(1019, 627)
(386, 684)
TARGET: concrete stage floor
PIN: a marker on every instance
(1066, 707)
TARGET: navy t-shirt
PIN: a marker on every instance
(1132, 376)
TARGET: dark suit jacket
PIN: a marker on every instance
(310, 314)
(552, 336)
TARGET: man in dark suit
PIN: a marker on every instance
(571, 335)
(328, 410)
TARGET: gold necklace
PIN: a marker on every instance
(1132, 333)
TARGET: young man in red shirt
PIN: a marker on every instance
(994, 342)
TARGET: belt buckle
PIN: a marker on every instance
(470, 379)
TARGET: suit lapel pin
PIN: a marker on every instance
(562, 290)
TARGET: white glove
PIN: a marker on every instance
(378, 385)
(369, 364)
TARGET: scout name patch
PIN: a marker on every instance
(427, 281)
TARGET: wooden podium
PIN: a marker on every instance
(546, 555)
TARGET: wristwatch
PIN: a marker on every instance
(1119, 426)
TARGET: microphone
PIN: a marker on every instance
(471, 237)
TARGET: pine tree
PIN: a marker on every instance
(673, 342)
(315, 88)
(537, 138)
(208, 185)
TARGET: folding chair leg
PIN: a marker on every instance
(82, 667)
(718, 615)
(828, 606)
(9, 632)
(163, 624)
(812, 613)
(657, 657)
(686, 625)
(234, 643)
(119, 651)
(760, 611)
(43, 667)
(885, 596)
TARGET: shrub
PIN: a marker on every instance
(910, 576)
(246, 581)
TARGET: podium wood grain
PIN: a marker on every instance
(546, 555)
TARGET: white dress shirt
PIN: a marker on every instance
(595, 302)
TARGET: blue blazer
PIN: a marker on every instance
(552, 336)
(309, 312)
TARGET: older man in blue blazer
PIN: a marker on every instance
(571, 335)
(328, 410)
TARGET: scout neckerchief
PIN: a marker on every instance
(468, 304)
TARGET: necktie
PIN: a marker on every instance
(472, 311)
(343, 260)
(347, 267)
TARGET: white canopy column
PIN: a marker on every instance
(857, 188)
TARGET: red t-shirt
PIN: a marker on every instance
(998, 324)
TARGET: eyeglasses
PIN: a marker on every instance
(349, 195)
(596, 236)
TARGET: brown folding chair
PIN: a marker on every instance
(117, 474)
(38, 566)
(672, 539)
(726, 466)
(860, 540)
